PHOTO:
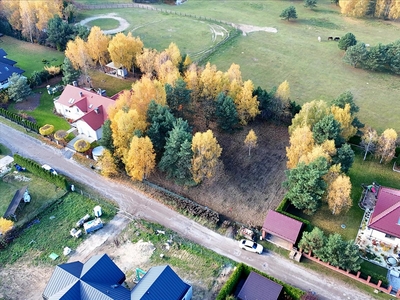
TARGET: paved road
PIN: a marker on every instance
(144, 207)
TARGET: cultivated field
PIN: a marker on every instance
(314, 70)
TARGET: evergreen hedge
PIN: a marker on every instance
(243, 271)
(33, 167)
(20, 120)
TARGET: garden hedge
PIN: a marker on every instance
(37, 169)
(20, 120)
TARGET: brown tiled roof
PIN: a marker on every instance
(257, 287)
(386, 214)
(282, 226)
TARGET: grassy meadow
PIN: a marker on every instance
(29, 56)
(314, 70)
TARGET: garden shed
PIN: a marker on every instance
(5, 163)
(259, 287)
(281, 230)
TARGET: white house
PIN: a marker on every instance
(86, 109)
(7, 69)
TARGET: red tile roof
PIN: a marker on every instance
(88, 102)
(386, 214)
(257, 287)
(282, 226)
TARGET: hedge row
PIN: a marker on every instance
(20, 120)
(282, 209)
(243, 271)
(36, 169)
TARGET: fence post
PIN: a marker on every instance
(379, 283)
(358, 274)
(368, 278)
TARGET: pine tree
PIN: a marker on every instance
(312, 241)
(176, 160)
(106, 139)
(345, 157)
(19, 88)
(227, 116)
(327, 129)
(178, 96)
(70, 74)
(289, 13)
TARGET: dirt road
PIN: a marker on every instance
(144, 207)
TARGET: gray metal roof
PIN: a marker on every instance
(99, 278)
(18, 196)
(257, 287)
(160, 283)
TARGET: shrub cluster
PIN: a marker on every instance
(20, 120)
(36, 169)
(242, 271)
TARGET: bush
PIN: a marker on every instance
(18, 119)
(46, 129)
(82, 146)
(33, 167)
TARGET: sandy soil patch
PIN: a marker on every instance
(250, 28)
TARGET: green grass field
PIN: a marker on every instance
(51, 233)
(104, 24)
(29, 56)
(314, 70)
(42, 192)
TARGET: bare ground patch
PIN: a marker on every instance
(30, 103)
(245, 187)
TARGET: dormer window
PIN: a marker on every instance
(91, 105)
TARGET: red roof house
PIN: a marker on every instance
(282, 227)
(257, 287)
(86, 108)
(386, 215)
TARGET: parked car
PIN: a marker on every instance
(50, 169)
(251, 246)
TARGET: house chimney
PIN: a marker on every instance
(81, 94)
(96, 110)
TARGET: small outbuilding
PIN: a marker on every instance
(281, 230)
(5, 163)
(258, 287)
(112, 69)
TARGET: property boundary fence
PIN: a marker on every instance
(199, 57)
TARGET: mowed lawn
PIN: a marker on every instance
(314, 70)
(29, 56)
(42, 194)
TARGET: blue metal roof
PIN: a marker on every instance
(98, 278)
(2, 52)
(7, 61)
(7, 70)
(160, 283)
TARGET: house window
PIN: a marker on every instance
(77, 109)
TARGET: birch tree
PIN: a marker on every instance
(301, 142)
(246, 103)
(386, 145)
(123, 50)
(251, 140)
(309, 115)
(78, 53)
(141, 159)
(339, 195)
(206, 153)
(107, 164)
(369, 141)
(97, 45)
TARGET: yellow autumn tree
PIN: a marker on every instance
(386, 147)
(78, 53)
(10, 10)
(174, 54)
(107, 164)
(45, 10)
(369, 139)
(28, 20)
(123, 126)
(53, 70)
(145, 90)
(338, 195)
(283, 92)
(123, 50)
(301, 142)
(210, 82)
(141, 159)
(168, 73)
(233, 81)
(344, 117)
(246, 104)
(206, 153)
(316, 152)
(97, 45)
(309, 115)
(146, 60)
(46, 129)
(192, 79)
(251, 140)
(188, 61)
(5, 225)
